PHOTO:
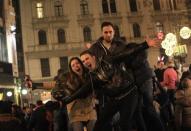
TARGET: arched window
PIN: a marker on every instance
(87, 34)
(84, 7)
(133, 5)
(105, 7)
(42, 37)
(61, 36)
(113, 6)
(58, 8)
(117, 32)
(156, 4)
(136, 30)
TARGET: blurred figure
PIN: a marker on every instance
(159, 71)
(38, 121)
(8, 122)
(183, 106)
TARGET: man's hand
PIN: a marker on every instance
(155, 42)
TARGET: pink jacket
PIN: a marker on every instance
(170, 78)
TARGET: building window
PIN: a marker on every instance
(58, 8)
(109, 6)
(42, 37)
(117, 32)
(45, 67)
(105, 7)
(61, 36)
(1, 9)
(84, 7)
(87, 34)
(136, 30)
(39, 8)
(64, 63)
(133, 5)
(156, 4)
(172, 4)
(113, 6)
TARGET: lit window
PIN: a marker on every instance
(39, 8)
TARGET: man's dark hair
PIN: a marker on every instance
(106, 23)
(87, 52)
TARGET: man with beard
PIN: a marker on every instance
(107, 45)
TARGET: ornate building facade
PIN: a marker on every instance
(55, 30)
(8, 53)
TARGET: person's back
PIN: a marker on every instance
(170, 77)
(38, 119)
(7, 121)
(183, 106)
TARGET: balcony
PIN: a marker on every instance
(134, 16)
(63, 19)
(110, 16)
(55, 47)
(88, 18)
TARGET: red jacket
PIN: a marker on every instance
(170, 78)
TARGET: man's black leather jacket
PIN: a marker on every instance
(111, 75)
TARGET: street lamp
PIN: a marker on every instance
(24, 91)
(9, 93)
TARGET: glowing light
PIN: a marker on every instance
(9, 93)
(171, 39)
(185, 32)
(24, 91)
(169, 52)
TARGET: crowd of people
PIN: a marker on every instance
(112, 87)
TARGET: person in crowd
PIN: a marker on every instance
(183, 106)
(170, 80)
(38, 121)
(18, 113)
(108, 45)
(81, 111)
(159, 71)
(186, 73)
(122, 96)
(8, 122)
(119, 87)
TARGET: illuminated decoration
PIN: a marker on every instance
(171, 39)
(9, 93)
(180, 50)
(24, 91)
(185, 32)
(169, 52)
(169, 43)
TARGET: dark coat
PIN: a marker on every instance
(9, 123)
